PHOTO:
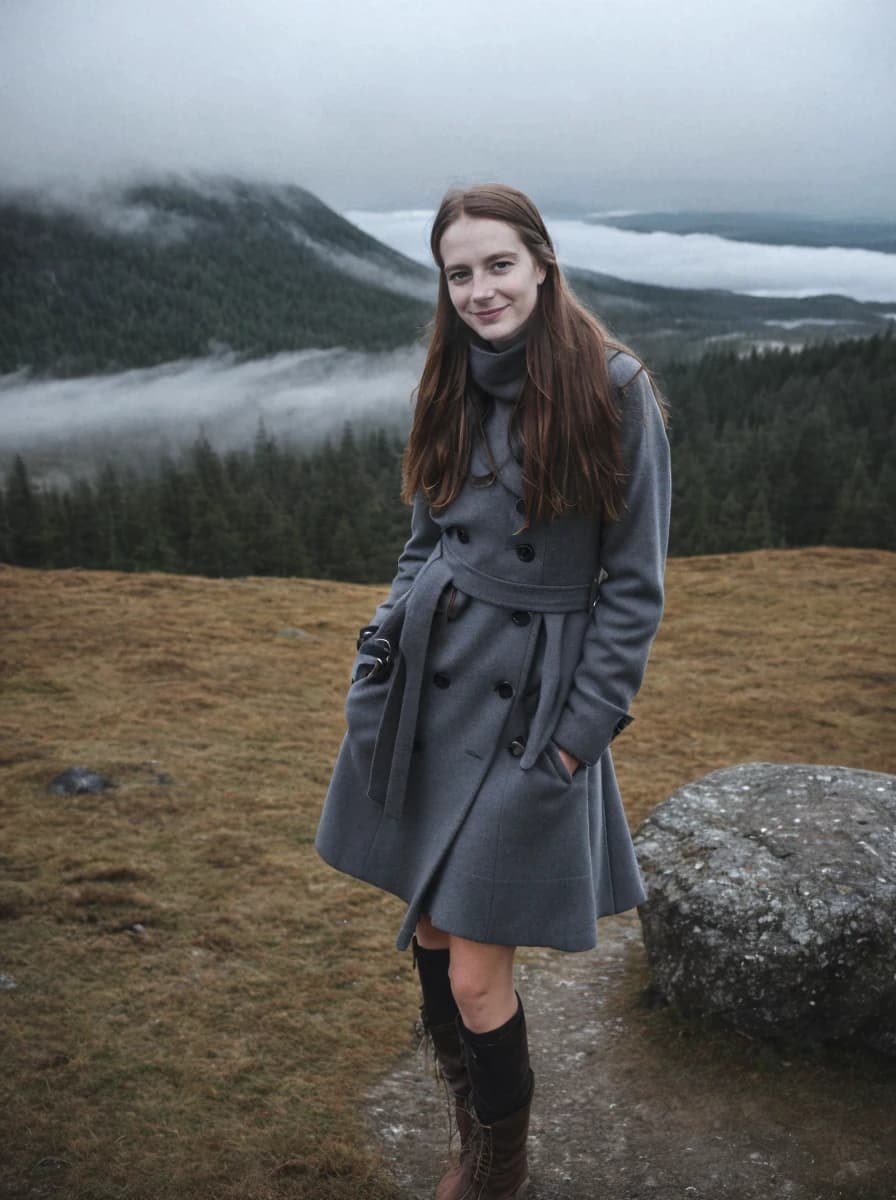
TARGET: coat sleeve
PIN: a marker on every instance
(633, 555)
(425, 534)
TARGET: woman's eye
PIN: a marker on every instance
(503, 264)
(457, 276)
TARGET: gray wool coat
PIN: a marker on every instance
(448, 790)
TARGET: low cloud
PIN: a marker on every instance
(693, 260)
(301, 397)
(368, 270)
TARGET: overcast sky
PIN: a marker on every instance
(771, 104)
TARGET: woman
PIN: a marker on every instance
(475, 780)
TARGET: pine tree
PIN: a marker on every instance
(858, 518)
(6, 550)
(758, 529)
(24, 518)
(808, 502)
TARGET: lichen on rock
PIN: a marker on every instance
(772, 902)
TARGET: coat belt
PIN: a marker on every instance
(394, 744)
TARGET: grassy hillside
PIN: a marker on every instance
(199, 1002)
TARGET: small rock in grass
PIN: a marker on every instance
(79, 781)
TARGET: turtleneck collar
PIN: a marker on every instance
(500, 373)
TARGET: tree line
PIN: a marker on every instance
(774, 450)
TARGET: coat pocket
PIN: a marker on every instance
(551, 753)
(544, 831)
(363, 713)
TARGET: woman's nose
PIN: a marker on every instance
(483, 286)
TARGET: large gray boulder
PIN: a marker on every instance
(772, 902)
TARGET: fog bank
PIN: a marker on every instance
(692, 260)
(301, 396)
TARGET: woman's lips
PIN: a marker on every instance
(489, 314)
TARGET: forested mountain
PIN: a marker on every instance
(177, 269)
(174, 270)
(778, 449)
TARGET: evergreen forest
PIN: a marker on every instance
(780, 449)
(183, 271)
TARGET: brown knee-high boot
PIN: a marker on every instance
(439, 1017)
(502, 1085)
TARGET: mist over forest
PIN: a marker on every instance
(136, 319)
(777, 450)
(69, 427)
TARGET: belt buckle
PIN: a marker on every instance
(381, 649)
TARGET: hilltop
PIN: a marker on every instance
(198, 1003)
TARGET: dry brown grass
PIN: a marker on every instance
(200, 1002)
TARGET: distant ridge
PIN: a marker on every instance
(774, 229)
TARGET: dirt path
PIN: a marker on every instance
(632, 1105)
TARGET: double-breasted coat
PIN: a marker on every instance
(507, 641)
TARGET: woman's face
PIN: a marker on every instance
(492, 277)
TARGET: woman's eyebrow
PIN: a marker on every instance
(491, 258)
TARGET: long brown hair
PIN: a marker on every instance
(567, 416)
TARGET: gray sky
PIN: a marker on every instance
(772, 104)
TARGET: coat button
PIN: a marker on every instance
(520, 618)
(525, 552)
(517, 747)
(521, 507)
(440, 680)
(463, 535)
(504, 689)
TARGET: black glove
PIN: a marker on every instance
(374, 661)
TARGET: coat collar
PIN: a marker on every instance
(500, 373)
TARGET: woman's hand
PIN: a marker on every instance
(568, 760)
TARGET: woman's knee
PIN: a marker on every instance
(480, 975)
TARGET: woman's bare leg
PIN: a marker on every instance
(482, 982)
(481, 976)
